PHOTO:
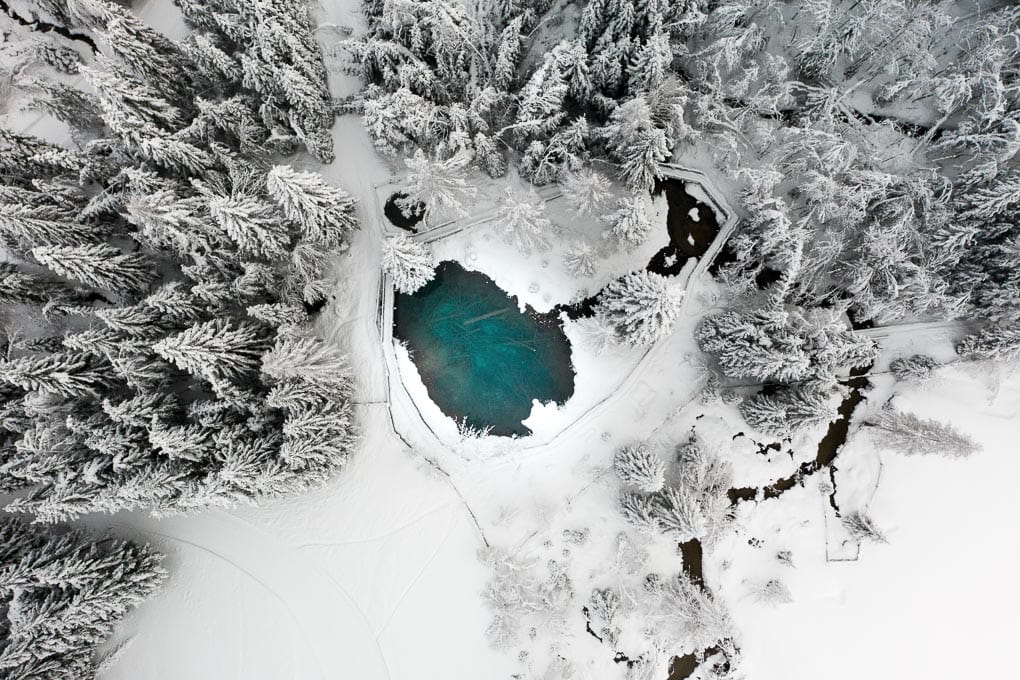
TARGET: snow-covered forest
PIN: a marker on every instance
(197, 272)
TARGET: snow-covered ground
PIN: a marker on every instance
(938, 601)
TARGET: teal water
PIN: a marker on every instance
(481, 359)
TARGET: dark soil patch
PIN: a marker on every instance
(397, 217)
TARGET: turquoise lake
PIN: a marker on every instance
(482, 360)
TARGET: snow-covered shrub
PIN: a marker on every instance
(411, 264)
(997, 342)
(862, 528)
(641, 307)
(603, 606)
(518, 595)
(596, 334)
(677, 609)
(521, 221)
(917, 367)
(581, 259)
(913, 435)
(630, 224)
(772, 592)
(640, 467)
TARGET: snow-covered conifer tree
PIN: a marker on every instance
(771, 343)
(638, 144)
(99, 266)
(641, 510)
(63, 593)
(308, 359)
(917, 367)
(772, 592)
(215, 349)
(587, 191)
(639, 467)
(37, 223)
(69, 374)
(913, 435)
(791, 409)
(411, 264)
(252, 224)
(326, 214)
(641, 307)
(521, 221)
(630, 223)
(439, 185)
(997, 342)
(581, 259)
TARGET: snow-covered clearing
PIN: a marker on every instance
(937, 601)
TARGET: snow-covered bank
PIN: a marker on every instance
(937, 601)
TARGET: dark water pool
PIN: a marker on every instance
(481, 359)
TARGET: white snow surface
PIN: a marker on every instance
(375, 575)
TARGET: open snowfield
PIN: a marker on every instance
(377, 575)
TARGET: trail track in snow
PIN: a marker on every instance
(302, 588)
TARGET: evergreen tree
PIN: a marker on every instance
(62, 595)
(641, 307)
(325, 214)
(215, 350)
(862, 528)
(37, 223)
(99, 266)
(630, 223)
(639, 467)
(67, 374)
(438, 185)
(251, 224)
(587, 191)
(912, 435)
(409, 263)
(772, 344)
(521, 221)
(791, 409)
(638, 144)
(995, 342)
(917, 367)
(581, 259)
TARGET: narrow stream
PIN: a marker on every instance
(828, 447)
(45, 27)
